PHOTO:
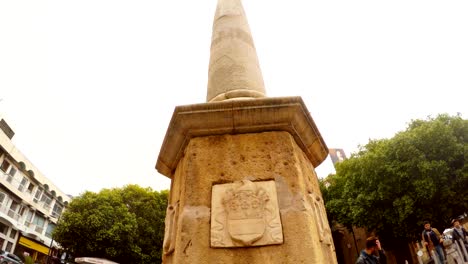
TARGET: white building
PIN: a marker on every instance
(30, 204)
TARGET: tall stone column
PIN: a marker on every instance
(234, 71)
(243, 189)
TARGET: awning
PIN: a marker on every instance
(33, 245)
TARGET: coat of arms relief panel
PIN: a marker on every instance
(245, 214)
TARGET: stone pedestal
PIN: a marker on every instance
(244, 189)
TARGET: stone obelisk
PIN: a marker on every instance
(243, 185)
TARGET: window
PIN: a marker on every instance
(5, 165)
(8, 247)
(37, 196)
(30, 188)
(47, 200)
(57, 210)
(50, 229)
(13, 209)
(23, 184)
(14, 206)
(12, 171)
(39, 222)
(2, 197)
(13, 233)
(11, 174)
(22, 210)
(27, 221)
(3, 228)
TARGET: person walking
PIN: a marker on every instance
(459, 232)
(459, 236)
(373, 254)
(433, 240)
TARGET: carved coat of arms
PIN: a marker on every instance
(245, 214)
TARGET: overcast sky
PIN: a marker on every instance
(89, 86)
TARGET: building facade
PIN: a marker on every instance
(30, 204)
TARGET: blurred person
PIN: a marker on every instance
(460, 233)
(373, 254)
(27, 258)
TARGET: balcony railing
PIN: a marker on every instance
(55, 214)
(14, 184)
(39, 229)
(31, 227)
(7, 177)
(10, 212)
(13, 215)
(47, 207)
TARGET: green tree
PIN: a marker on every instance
(122, 224)
(393, 185)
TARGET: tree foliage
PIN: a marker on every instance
(393, 185)
(122, 224)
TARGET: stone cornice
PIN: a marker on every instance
(239, 117)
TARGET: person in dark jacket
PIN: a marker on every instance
(433, 240)
(460, 233)
(373, 254)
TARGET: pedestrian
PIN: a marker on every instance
(373, 254)
(27, 258)
(433, 240)
(459, 233)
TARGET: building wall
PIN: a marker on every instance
(30, 204)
